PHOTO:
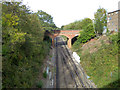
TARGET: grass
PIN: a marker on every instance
(100, 64)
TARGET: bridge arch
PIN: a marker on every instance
(68, 33)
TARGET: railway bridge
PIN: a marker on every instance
(68, 33)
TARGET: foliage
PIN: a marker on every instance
(64, 37)
(62, 27)
(107, 32)
(100, 20)
(73, 26)
(102, 65)
(77, 25)
(114, 38)
(23, 47)
(86, 34)
(85, 22)
(40, 84)
(46, 20)
(45, 74)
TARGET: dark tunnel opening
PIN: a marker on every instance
(73, 40)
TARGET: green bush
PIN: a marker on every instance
(39, 84)
(87, 34)
(45, 74)
(114, 38)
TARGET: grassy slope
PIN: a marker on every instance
(101, 63)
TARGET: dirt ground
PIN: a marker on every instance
(93, 45)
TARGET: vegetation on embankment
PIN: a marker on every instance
(98, 53)
(99, 58)
(24, 45)
(77, 25)
(64, 37)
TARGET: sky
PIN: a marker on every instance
(68, 11)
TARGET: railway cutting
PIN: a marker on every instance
(69, 74)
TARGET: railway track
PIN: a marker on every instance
(79, 71)
(57, 67)
(68, 77)
(71, 72)
(69, 65)
(72, 67)
(63, 65)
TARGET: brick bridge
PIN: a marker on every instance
(68, 33)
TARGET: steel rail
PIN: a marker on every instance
(76, 69)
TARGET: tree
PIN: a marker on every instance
(62, 27)
(73, 26)
(100, 20)
(86, 34)
(85, 22)
(98, 27)
(23, 47)
(78, 25)
(46, 20)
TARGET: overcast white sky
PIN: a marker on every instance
(67, 11)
